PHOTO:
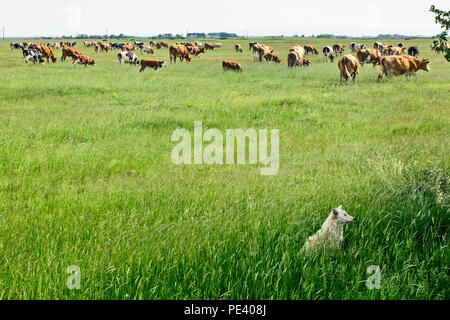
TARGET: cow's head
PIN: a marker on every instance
(91, 62)
(423, 64)
(306, 62)
(54, 59)
(188, 59)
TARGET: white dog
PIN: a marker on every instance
(331, 234)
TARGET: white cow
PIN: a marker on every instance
(128, 57)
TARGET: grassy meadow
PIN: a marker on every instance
(86, 179)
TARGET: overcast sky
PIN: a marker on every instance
(263, 17)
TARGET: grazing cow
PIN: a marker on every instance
(128, 47)
(402, 65)
(338, 49)
(178, 50)
(33, 55)
(217, 45)
(198, 44)
(128, 57)
(164, 44)
(68, 52)
(196, 51)
(396, 51)
(349, 67)
(230, 65)
(261, 50)
(328, 53)
(147, 49)
(209, 46)
(16, 46)
(69, 44)
(413, 51)
(297, 57)
(355, 47)
(270, 56)
(152, 64)
(115, 45)
(48, 53)
(310, 49)
(377, 45)
(251, 45)
(54, 45)
(82, 59)
(237, 47)
(103, 46)
(369, 56)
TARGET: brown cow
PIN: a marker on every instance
(396, 51)
(147, 49)
(178, 50)
(48, 53)
(338, 49)
(196, 51)
(272, 57)
(369, 56)
(349, 67)
(402, 65)
(261, 50)
(310, 49)
(68, 52)
(82, 59)
(230, 65)
(128, 47)
(209, 46)
(296, 57)
(152, 64)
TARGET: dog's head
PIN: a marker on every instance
(341, 216)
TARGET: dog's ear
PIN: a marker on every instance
(340, 207)
(335, 212)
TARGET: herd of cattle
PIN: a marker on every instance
(391, 59)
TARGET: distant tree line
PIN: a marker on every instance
(222, 35)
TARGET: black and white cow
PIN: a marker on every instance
(328, 53)
(377, 45)
(33, 55)
(355, 47)
(413, 51)
(115, 45)
(128, 57)
(16, 46)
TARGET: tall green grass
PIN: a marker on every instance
(86, 179)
